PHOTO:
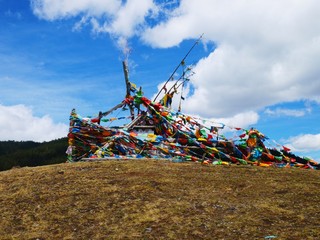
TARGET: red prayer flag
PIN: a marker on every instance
(286, 149)
(242, 135)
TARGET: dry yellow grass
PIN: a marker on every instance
(148, 199)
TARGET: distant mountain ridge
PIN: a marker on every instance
(29, 153)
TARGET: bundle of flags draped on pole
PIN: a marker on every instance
(157, 132)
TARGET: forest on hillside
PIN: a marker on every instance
(29, 153)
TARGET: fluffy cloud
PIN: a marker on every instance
(243, 120)
(305, 142)
(120, 19)
(19, 124)
(267, 52)
(54, 10)
(110, 16)
(131, 15)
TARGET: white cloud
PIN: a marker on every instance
(128, 19)
(286, 112)
(131, 15)
(59, 9)
(120, 19)
(304, 145)
(18, 123)
(268, 52)
(242, 120)
(304, 142)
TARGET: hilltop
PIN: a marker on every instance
(149, 199)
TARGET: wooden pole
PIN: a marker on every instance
(128, 86)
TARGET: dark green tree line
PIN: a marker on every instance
(28, 153)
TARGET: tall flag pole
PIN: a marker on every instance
(128, 86)
(181, 63)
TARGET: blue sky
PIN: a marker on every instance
(256, 66)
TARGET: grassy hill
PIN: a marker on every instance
(148, 199)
